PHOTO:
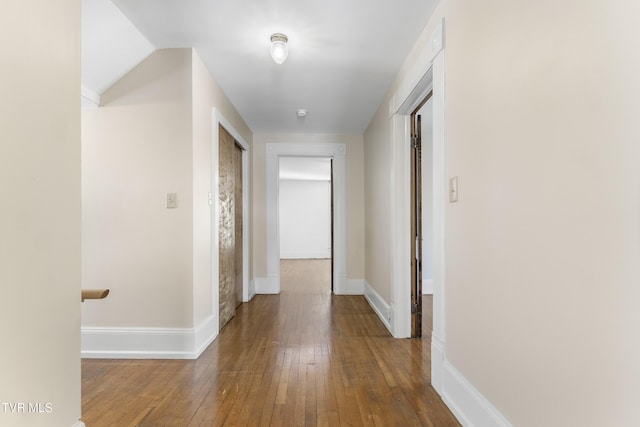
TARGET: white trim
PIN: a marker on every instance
(205, 333)
(379, 305)
(264, 285)
(400, 217)
(273, 153)
(427, 287)
(89, 98)
(440, 194)
(306, 255)
(425, 76)
(411, 90)
(353, 287)
(437, 363)
(252, 289)
(148, 343)
(468, 404)
(78, 424)
(218, 119)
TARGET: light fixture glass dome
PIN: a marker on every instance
(279, 49)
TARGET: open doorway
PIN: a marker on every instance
(305, 222)
(335, 151)
(422, 208)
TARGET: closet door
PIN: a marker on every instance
(230, 225)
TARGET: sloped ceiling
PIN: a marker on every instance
(343, 55)
(111, 46)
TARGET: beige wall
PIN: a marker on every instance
(135, 149)
(379, 200)
(40, 211)
(152, 136)
(542, 250)
(354, 196)
(206, 95)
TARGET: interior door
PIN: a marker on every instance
(416, 236)
(416, 220)
(230, 224)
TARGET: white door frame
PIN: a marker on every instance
(424, 77)
(220, 120)
(335, 151)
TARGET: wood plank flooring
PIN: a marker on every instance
(301, 358)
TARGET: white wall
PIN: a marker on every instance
(40, 212)
(305, 219)
(543, 247)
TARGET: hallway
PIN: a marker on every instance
(304, 357)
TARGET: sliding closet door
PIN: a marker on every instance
(230, 225)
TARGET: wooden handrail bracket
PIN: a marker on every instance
(94, 294)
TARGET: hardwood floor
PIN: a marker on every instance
(304, 357)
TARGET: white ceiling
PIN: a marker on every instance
(343, 54)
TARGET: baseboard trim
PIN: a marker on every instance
(437, 362)
(305, 255)
(267, 285)
(252, 289)
(468, 404)
(148, 343)
(379, 305)
(205, 334)
(78, 424)
(350, 287)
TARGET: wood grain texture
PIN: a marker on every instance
(230, 224)
(304, 357)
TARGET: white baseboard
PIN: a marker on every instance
(468, 404)
(267, 285)
(252, 289)
(148, 343)
(427, 287)
(350, 287)
(437, 362)
(306, 255)
(78, 424)
(205, 333)
(379, 305)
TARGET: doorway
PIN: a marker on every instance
(275, 152)
(305, 216)
(230, 225)
(421, 216)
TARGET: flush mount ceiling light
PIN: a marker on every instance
(279, 50)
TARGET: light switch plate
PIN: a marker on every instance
(453, 189)
(172, 200)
